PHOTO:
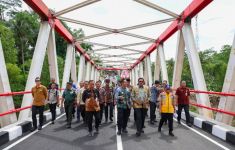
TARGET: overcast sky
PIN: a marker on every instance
(216, 23)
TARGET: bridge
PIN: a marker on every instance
(212, 127)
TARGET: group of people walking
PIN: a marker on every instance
(92, 101)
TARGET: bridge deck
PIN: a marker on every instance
(57, 137)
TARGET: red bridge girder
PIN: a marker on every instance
(43, 11)
(194, 8)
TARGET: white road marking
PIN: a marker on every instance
(206, 137)
(119, 138)
(27, 136)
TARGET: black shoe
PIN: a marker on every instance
(138, 134)
(97, 131)
(68, 126)
(106, 120)
(33, 129)
(159, 130)
(144, 126)
(111, 119)
(39, 127)
(171, 134)
(119, 133)
(142, 131)
(90, 134)
(154, 120)
(189, 124)
(179, 122)
(124, 131)
(52, 122)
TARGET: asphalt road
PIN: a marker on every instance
(57, 137)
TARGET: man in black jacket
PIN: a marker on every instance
(90, 98)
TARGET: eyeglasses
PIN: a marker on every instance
(141, 81)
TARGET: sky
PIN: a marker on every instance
(216, 23)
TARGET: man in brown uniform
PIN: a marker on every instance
(39, 93)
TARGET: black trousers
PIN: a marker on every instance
(122, 118)
(81, 112)
(89, 117)
(39, 110)
(52, 108)
(69, 112)
(164, 117)
(152, 111)
(109, 110)
(101, 112)
(128, 111)
(186, 110)
(140, 114)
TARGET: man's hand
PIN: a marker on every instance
(121, 97)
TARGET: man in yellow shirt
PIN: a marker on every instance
(39, 93)
(167, 109)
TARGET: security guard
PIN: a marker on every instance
(140, 98)
(167, 108)
(69, 99)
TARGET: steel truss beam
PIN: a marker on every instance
(156, 7)
(111, 61)
(43, 11)
(108, 47)
(116, 55)
(74, 7)
(191, 10)
(112, 68)
(110, 30)
(117, 47)
(124, 45)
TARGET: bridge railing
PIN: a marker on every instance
(191, 103)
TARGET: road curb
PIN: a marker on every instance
(10, 132)
(212, 128)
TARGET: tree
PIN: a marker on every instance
(8, 6)
(25, 26)
(8, 44)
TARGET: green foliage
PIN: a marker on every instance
(8, 44)
(17, 81)
(25, 26)
(9, 7)
(211, 60)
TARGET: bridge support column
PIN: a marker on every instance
(136, 75)
(133, 77)
(95, 76)
(163, 63)
(150, 80)
(146, 72)
(74, 67)
(228, 102)
(67, 65)
(141, 70)
(157, 68)
(52, 57)
(196, 70)
(6, 102)
(98, 75)
(81, 68)
(88, 71)
(36, 67)
(179, 60)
